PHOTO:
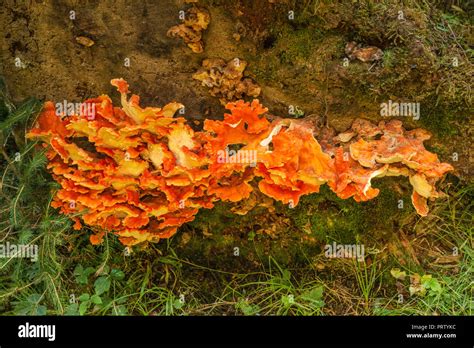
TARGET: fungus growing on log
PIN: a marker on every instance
(195, 21)
(227, 80)
(141, 172)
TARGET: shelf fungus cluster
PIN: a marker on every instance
(226, 80)
(195, 21)
(142, 172)
(367, 151)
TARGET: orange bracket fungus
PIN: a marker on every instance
(142, 172)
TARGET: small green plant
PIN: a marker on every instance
(30, 305)
(366, 276)
(279, 294)
(424, 285)
(82, 274)
(99, 298)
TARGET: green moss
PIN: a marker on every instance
(441, 121)
(295, 45)
(292, 48)
(214, 220)
(330, 218)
